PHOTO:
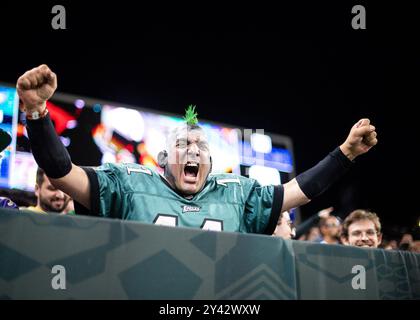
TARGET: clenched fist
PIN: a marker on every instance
(35, 87)
(361, 139)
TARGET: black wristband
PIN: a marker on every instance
(316, 180)
(47, 149)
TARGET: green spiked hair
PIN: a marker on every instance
(190, 117)
(190, 123)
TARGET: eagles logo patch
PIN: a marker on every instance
(190, 209)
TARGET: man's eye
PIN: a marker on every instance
(181, 144)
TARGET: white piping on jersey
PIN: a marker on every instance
(139, 169)
(224, 181)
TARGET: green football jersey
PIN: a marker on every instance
(227, 202)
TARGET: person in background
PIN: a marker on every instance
(362, 228)
(405, 242)
(307, 225)
(414, 246)
(393, 244)
(49, 198)
(330, 230)
(386, 245)
(313, 234)
(284, 228)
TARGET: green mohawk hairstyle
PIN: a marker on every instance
(191, 116)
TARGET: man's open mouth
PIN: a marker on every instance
(191, 169)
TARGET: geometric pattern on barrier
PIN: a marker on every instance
(392, 276)
(206, 243)
(92, 262)
(14, 264)
(160, 274)
(266, 268)
(260, 284)
(332, 252)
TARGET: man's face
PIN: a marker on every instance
(188, 161)
(332, 227)
(49, 198)
(363, 233)
(284, 228)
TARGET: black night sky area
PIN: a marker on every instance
(298, 70)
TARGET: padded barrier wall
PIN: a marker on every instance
(113, 259)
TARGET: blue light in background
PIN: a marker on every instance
(97, 107)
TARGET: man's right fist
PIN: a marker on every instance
(35, 87)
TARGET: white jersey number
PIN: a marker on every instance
(166, 220)
(213, 225)
(172, 221)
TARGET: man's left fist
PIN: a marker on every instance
(361, 139)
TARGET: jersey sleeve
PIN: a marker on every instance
(262, 207)
(105, 192)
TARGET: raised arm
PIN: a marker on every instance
(311, 183)
(34, 88)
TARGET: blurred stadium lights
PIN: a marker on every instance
(128, 123)
(97, 108)
(3, 97)
(65, 141)
(265, 175)
(261, 143)
(71, 124)
(79, 103)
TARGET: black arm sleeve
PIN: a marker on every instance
(275, 210)
(316, 180)
(94, 195)
(47, 149)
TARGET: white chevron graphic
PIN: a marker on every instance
(244, 287)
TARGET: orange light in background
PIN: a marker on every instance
(21, 130)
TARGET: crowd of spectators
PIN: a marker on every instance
(360, 228)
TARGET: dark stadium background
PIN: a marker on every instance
(298, 70)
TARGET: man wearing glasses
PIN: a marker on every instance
(362, 228)
(330, 230)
